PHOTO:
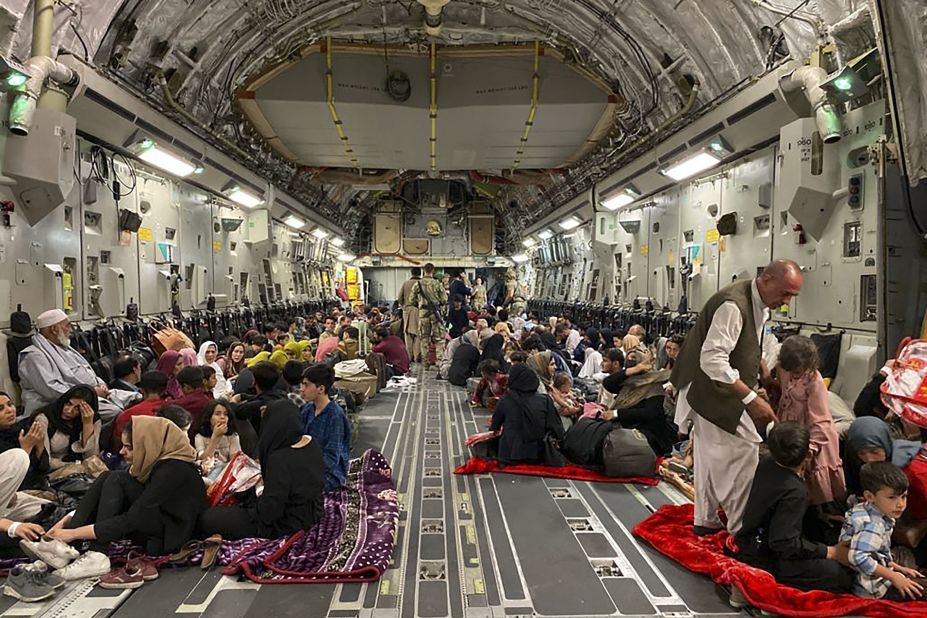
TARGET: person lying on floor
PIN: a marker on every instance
(293, 482)
(638, 402)
(73, 426)
(27, 435)
(522, 420)
(771, 537)
(868, 529)
(156, 502)
(326, 422)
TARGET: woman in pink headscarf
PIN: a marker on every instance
(170, 365)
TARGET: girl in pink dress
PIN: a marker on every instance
(804, 400)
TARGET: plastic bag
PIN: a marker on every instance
(904, 391)
(240, 474)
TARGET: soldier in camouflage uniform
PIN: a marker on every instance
(409, 306)
(514, 300)
(431, 297)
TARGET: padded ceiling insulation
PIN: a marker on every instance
(210, 49)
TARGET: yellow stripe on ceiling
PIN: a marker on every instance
(433, 108)
(330, 99)
(535, 78)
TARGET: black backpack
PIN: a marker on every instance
(583, 441)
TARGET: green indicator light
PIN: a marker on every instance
(843, 83)
(16, 79)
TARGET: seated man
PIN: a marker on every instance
(393, 350)
(153, 384)
(195, 397)
(638, 404)
(350, 344)
(325, 421)
(127, 372)
(50, 367)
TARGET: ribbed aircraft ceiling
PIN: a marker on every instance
(650, 53)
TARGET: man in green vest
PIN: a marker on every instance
(716, 375)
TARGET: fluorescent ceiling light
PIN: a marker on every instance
(569, 223)
(319, 233)
(338, 242)
(347, 257)
(294, 222)
(625, 198)
(243, 198)
(545, 234)
(529, 242)
(519, 258)
(151, 153)
(692, 165)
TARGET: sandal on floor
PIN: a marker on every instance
(212, 544)
(189, 548)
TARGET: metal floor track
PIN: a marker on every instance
(468, 546)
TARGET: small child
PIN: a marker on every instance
(803, 399)
(566, 402)
(868, 528)
(490, 378)
(771, 537)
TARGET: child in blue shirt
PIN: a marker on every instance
(868, 528)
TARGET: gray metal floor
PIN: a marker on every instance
(472, 547)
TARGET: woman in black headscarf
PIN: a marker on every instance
(521, 422)
(493, 350)
(73, 426)
(293, 475)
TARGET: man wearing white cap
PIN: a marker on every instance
(50, 366)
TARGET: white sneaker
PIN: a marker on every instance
(91, 564)
(52, 552)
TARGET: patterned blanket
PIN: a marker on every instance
(353, 542)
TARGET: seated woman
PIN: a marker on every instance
(492, 385)
(522, 420)
(73, 427)
(638, 402)
(293, 476)
(233, 362)
(156, 503)
(465, 359)
(869, 440)
(216, 441)
(494, 349)
(170, 364)
(23, 463)
(544, 367)
(470, 337)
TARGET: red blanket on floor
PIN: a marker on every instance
(669, 530)
(475, 465)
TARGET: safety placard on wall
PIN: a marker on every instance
(217, 246)
(145, 235)
(645, 249)
(712, 235)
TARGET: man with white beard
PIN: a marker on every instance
(50, 367)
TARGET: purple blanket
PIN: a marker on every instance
(352, 542)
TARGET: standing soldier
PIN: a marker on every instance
(514, 300)
(479, 295)
(410, 314)
(432, 298)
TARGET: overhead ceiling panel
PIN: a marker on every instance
(483, 104)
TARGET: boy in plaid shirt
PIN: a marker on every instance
(868, 528)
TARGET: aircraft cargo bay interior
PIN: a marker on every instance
(463, 308)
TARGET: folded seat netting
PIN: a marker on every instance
(669, 531)
(475, 465)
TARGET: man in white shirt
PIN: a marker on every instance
(716, 375)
